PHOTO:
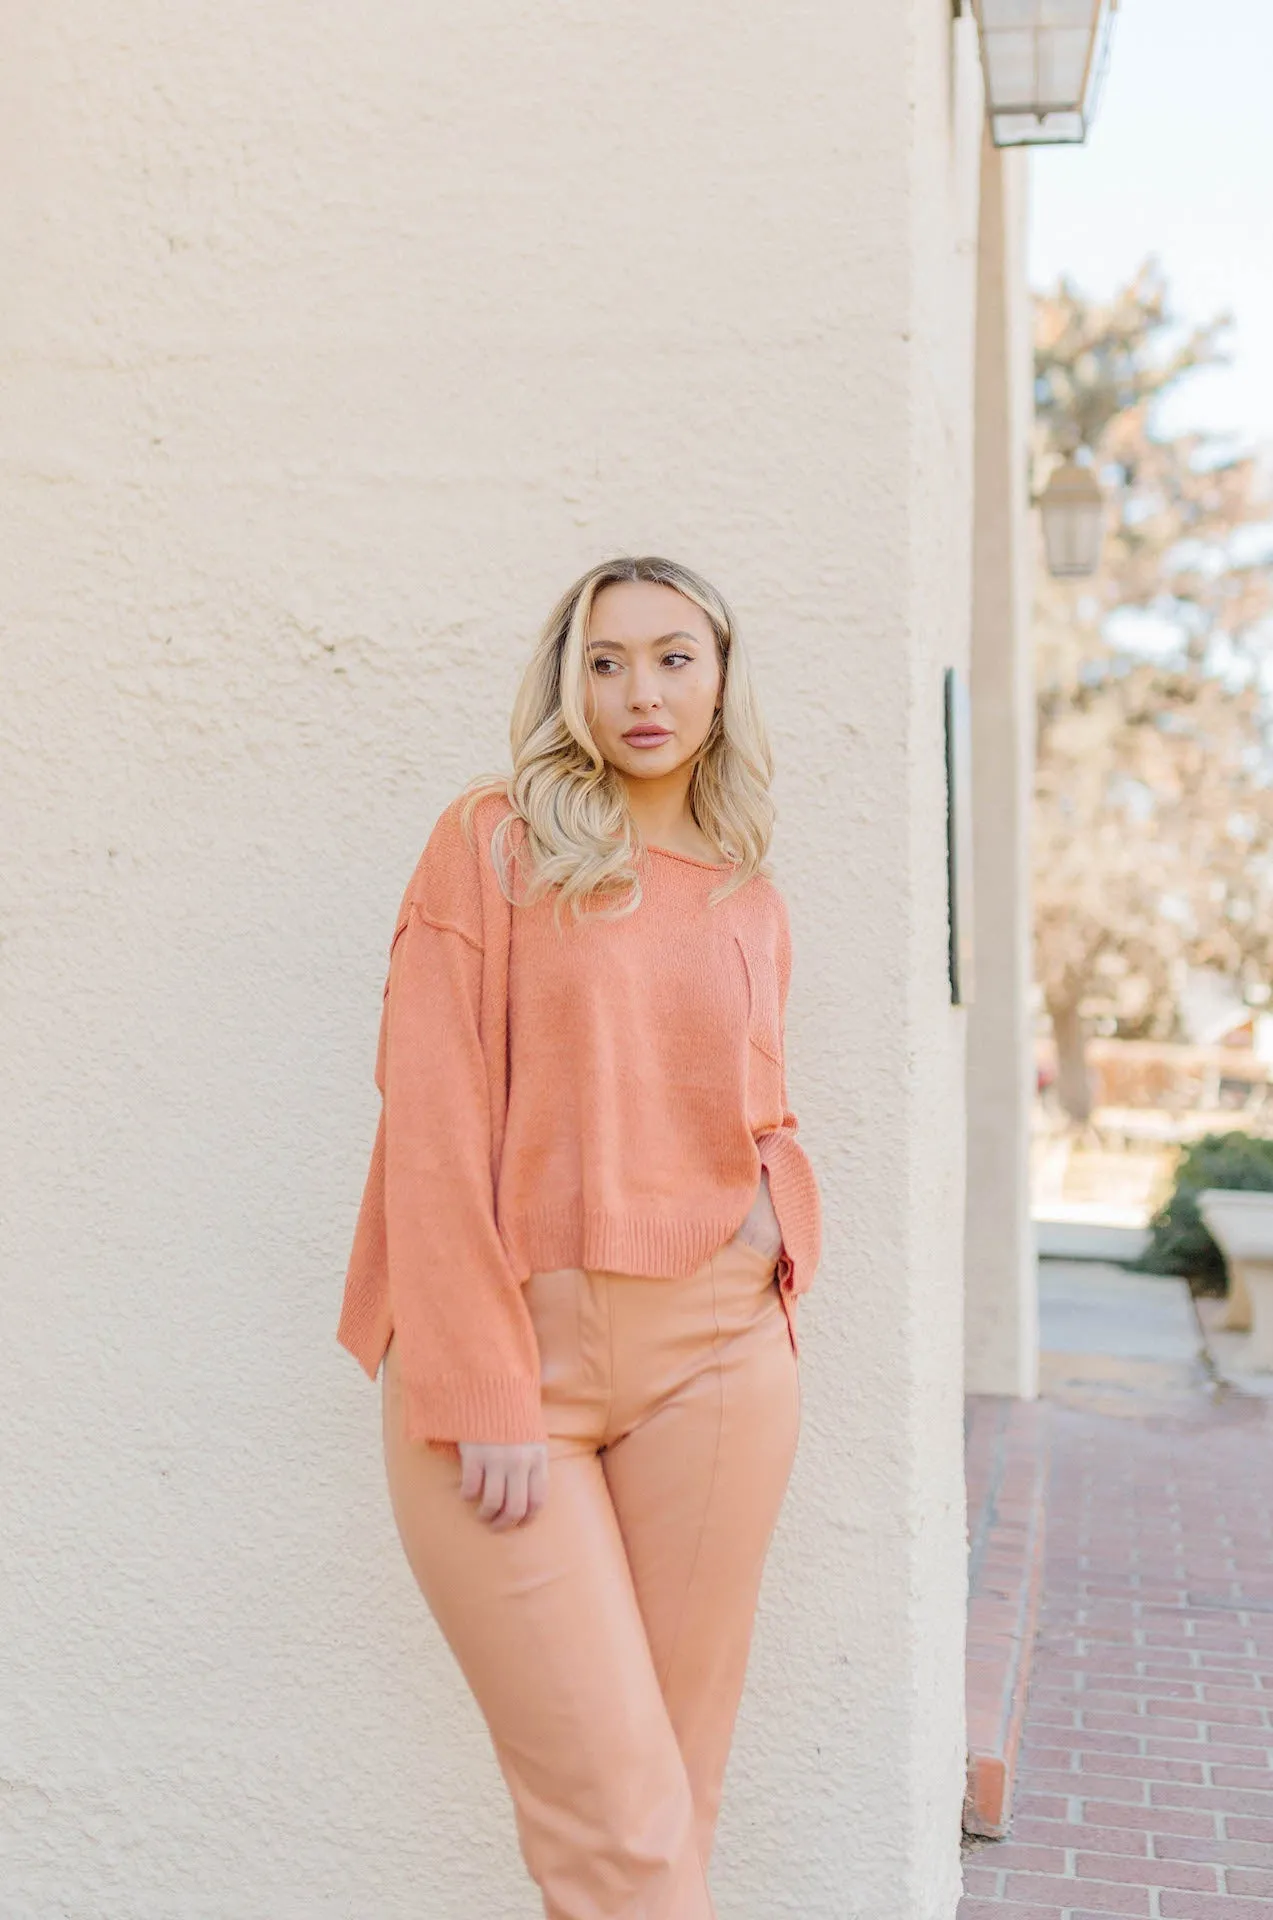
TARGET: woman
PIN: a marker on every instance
(584, 1231)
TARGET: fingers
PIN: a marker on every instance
(471, 1474)
(537, 1485)
(495, 1485)
(512, 1509)
(510, 1484)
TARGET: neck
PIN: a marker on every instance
(661, 808)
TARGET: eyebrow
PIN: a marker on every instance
(662, 640)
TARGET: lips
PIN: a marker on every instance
(647, 736)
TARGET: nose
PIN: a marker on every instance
(643, 690)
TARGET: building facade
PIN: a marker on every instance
(334, 344)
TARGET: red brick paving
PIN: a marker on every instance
(1145, 1770)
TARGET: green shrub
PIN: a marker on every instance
(1179, 1241)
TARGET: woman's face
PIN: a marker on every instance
(654, 677)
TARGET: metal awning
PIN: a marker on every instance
(1043, 62)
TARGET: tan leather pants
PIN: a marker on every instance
(606, 1639)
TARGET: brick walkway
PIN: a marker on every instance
(1146, 1775)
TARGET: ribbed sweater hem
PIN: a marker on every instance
(547, 1238)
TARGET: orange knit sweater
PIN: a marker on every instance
(602, 1095)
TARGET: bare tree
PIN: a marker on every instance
(1154, 791)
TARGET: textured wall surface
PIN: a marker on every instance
(1001, 1294)
(333, 342)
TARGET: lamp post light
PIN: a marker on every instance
(1043, 62)
(1072, 509)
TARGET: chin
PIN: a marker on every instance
(654, 765)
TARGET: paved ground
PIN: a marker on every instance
(1146, 1777)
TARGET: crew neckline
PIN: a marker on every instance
(672, 853)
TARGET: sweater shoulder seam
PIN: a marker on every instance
(443, 926)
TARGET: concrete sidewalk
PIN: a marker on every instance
(1145, 1782)
(1087, 1307)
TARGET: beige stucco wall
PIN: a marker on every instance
(1001, 1285)
(333, 342)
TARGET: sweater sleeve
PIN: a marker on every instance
(468, 1357)
(792, 1184)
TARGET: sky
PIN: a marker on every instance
(1179, 164)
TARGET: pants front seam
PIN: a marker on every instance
(608, 1293)
(674, 1641)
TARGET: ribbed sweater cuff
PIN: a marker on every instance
(495, 1408)
(797, 1203)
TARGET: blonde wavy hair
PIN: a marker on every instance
(577, 834)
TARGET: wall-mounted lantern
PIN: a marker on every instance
(1043, 62)
(1073, 513)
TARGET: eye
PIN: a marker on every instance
(600, 663)
(677, 656)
